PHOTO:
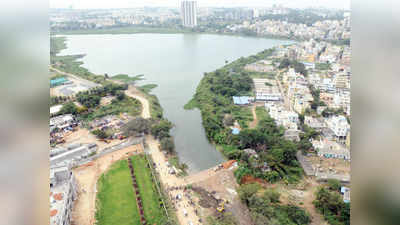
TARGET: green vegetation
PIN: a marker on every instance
(268, 84)
(68, 108)
(329, 202)
(333, 112)
(266, 208)
(161, 130)
(268, 75)
(55, 100)
(136, 126)
(101, 134)
(298, 66)
(116, 200)
(214, 99)
(225, 219)
(152, 204)
(174, 161)
(316, 98)
(70, 63)
(128, 105)
(56, 45)
(323, 66)
(127, 79)
(147, 88)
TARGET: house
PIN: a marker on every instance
(331, 149)
(339, 125)
(62, 121)
(314, 123)
(292, 135)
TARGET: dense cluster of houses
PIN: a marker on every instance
(293, 93)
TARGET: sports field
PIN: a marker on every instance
(116, 199)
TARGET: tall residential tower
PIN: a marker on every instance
(189, 13)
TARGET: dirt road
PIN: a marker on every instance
(134, 93)
(253, 123)
(86, 178)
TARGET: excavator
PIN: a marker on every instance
(221, 206)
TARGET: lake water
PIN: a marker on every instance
(176, 63)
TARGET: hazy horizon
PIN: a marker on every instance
(103, 4)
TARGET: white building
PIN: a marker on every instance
(62, 156)
(339, 125)
(189, 13)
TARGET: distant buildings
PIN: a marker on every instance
(189, 13)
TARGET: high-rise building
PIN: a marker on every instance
(189, 13)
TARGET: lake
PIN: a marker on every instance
(176, 63)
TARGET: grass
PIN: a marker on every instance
(261, 113)
(153, 211)
(243, 115)
(116, 200)
(147, 88)
(129, 105)
(270, 75)
(127, 79)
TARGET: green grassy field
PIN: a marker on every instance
(129, 105)
(116, 200)
(153, 212)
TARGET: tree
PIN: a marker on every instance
(120, 95)
(69, 108)
(100, 134)
(334, 184)
(246, 191)
(167, 144)
(161, 129)
(136, 126)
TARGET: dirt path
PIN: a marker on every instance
(309, 196)
(134, 93)
(170, 182)
(253, 123)
(86, 178)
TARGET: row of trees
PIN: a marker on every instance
(92, 97)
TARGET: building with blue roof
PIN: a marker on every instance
(235, 131)
(57, 81)
(241, 100)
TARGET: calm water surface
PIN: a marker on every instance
(176, 63)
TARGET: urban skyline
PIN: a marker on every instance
(189, 13)
(92, 4)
